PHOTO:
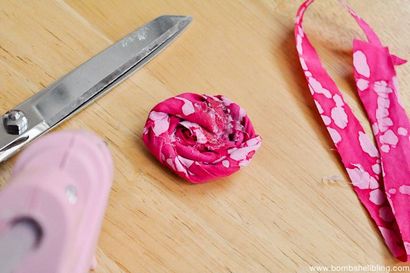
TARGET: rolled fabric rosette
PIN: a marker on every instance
(200, 137)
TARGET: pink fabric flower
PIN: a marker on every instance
(200, 137)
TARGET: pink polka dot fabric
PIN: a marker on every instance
(380, 174)
(200, 137)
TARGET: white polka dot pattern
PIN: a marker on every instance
(380, 174)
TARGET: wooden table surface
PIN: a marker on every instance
(277, 215)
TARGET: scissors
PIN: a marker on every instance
(71, 93)
(51, 212)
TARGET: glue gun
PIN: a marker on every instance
(52, 208)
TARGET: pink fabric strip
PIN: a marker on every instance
(380, 175)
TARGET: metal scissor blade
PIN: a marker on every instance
(90, 80)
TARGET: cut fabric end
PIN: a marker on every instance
(200, 137)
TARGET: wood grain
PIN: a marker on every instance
(277, 215)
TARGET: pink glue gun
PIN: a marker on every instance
(51, 210)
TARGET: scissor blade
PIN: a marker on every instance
(90, 80)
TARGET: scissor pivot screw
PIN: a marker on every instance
(15, 122)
